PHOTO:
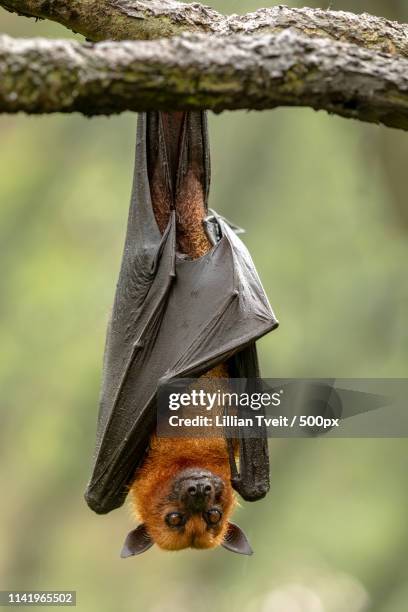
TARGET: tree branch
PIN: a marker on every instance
(203, 71)
(147, 19)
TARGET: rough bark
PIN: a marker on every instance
(200, 71)
(147, 19)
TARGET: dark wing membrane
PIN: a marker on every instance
(144, 246)
(251, 481)
(172, 317)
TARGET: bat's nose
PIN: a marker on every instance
(199, 488)
(197, 492)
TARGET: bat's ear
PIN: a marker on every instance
(236, 541)
(137, 541)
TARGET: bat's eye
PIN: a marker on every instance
(175, 519)
(213, 516)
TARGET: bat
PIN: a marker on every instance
(188, 302)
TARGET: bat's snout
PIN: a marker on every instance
(196, 489)
(197, 492)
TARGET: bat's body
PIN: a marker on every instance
(188, 303)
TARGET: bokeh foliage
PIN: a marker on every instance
(324, 202)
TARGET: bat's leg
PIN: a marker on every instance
(177, 163)
(192, 187)
(163, 138)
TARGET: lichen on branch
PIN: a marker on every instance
(196, 71)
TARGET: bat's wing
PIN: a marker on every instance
(252, 479)
(172, 317)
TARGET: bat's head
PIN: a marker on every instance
(190, 511)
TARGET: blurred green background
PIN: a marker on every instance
(324, 202)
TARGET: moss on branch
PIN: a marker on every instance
(193, 71)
